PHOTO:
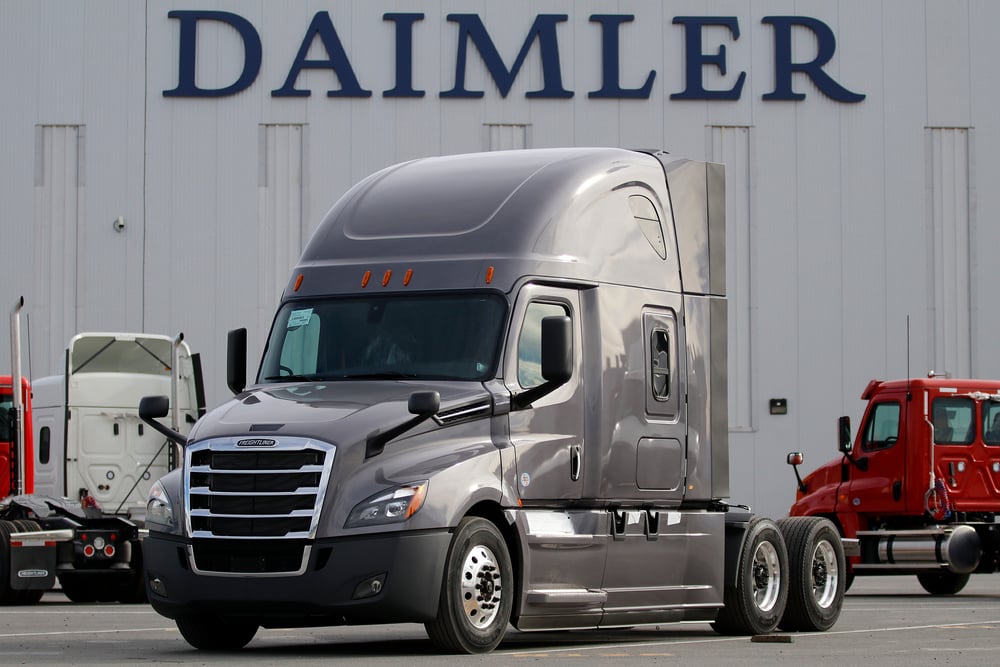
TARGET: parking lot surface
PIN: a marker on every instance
(888, 620)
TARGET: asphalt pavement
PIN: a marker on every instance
(886, 620)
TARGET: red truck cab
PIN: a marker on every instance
(8, 439)
(919, 486)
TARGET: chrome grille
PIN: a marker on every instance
(235, 493)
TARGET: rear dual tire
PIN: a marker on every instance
(817, 574)
(756, 600)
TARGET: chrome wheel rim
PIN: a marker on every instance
(824, 574)
(766, 573)
(482, 589)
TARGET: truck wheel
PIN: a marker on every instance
(133, 589)
(943, 582)
(816, 574)
(7, 594)
(210, 633)
(476, 591)
(78, 589)
(755, 604)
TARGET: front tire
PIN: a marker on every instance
(756, 602)
(943, 582)
(209, 633)
(816, 568)
(477, 590)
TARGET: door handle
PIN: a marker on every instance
(575, 462)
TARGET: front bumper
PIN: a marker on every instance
(335, 587)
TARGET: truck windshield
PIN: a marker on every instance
(113, 354)
(420, 336)
(6, 417)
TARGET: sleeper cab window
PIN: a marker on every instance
(529, 342)
(649, 222)
(44, 444)
(659, 355)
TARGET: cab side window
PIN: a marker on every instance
(529, 342)
(991, 423)
(954, 422)
(882, 429)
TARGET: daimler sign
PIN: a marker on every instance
(700, 54)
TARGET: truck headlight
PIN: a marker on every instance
(391, 506)
(159, 509)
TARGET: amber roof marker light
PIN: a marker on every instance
(489, 275)
(298, 283)
(365, 278)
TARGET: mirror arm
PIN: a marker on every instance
(802, 485)
(376, 442)
(170, 434)
(526, 398)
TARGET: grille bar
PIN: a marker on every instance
(276, 471)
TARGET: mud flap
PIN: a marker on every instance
(33, 556)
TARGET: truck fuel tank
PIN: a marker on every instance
(958, 548)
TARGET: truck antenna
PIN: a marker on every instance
(907, 354)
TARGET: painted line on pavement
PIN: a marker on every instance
(797, 635)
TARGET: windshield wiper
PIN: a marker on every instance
(385, 375)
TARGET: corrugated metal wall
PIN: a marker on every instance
(844, 221)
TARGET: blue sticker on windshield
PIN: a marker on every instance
(299, 317)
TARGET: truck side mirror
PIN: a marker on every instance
(557, 349)
(154, 407)
(795, 459)
(236, 360)
(424, 403)
(844, 443)
(557, 360)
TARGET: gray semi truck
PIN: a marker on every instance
(494, 392)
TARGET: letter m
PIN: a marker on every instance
(470, 28)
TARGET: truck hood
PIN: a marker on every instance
(338, 411)
(822, 485)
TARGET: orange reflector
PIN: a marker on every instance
(298, 283)
(417, 501)
(385, 278)
(407, 276)
(489, 275)
(366, 278)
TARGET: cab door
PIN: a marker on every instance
(547, 436)
(882, 445)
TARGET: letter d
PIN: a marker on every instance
(186, 86)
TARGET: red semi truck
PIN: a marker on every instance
(10, 474)
(919, 487)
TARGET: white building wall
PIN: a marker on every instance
(845, 220)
